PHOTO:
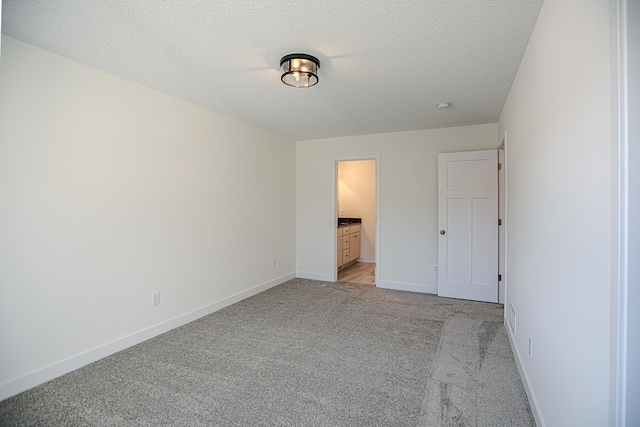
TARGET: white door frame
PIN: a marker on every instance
(334, 210)
(625, 386)
(502, 296)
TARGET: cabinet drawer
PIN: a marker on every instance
(354, 228)
(345, 256)
(345, 230)
(345, 242)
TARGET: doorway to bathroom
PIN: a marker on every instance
(356, 213)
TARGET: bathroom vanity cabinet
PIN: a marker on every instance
(348, 244)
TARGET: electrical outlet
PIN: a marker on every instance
(530, 347)
(435, 269)
(273, 263)
(155, 298)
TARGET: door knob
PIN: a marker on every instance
(441, 231)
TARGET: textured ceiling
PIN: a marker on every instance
(385, 64)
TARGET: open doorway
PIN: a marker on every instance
(356, 220)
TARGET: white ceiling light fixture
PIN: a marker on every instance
(443, 106)
(299, 70)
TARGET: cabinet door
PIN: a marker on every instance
(339, 251)
(345, 256)
(345, 242)
(354, 245)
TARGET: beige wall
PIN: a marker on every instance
(111, 191)
(559, 170)
(408, 200)
(357, 199)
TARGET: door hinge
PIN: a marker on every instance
(499, 277)
(499, 166)
(499, 221)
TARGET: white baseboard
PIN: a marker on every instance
(314, 276)
(533, 402)
(47, 373)
(411, 287)
(368, 260)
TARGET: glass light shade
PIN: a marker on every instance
(299, 70)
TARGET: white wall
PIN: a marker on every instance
(110, 191)
(408, 193)
(357, 199)
(559, 181)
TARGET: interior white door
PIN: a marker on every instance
(468, 225)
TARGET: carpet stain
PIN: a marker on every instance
(485, 337)
(450, 415)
